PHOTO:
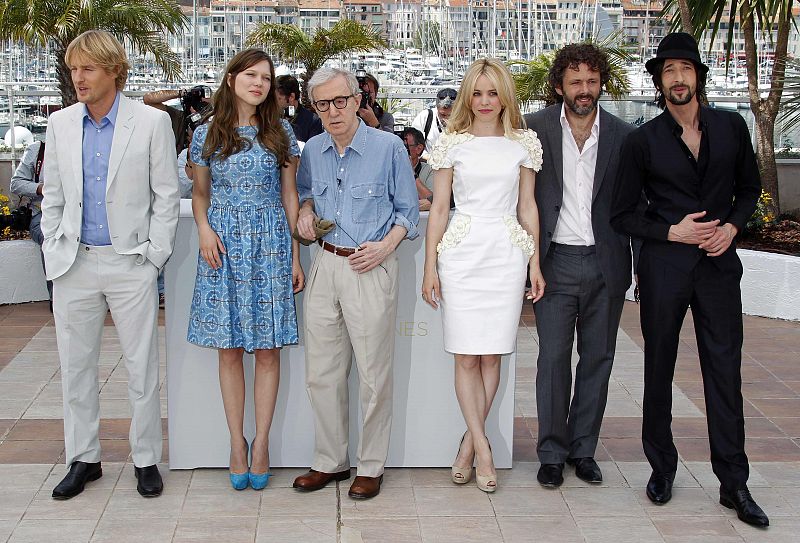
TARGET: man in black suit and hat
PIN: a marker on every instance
(698, 172)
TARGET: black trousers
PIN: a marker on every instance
(715, 298)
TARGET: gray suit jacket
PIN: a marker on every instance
(613, 249)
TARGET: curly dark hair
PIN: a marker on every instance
(700, 92)
(571, 56)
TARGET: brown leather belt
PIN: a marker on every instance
(338, 251)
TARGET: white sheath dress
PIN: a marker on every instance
(484, 253)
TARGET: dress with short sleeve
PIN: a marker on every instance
(249, 301)
(484, 252)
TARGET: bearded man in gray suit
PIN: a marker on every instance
(586, 264)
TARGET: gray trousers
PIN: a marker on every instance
(575, 299)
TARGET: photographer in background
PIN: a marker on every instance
(28, 181)
(305, 122)
(433, 121)
(194, 103)
(414, 140)
(369, 110)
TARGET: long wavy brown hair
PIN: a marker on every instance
(223, 140)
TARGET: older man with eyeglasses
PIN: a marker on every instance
(359, 178)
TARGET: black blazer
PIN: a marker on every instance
(613, 249)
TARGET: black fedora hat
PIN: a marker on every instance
(677, 45)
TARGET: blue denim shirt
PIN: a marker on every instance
(366, 191)
(97, 138)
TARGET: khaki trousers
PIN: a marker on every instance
(99, 280)
(348, 314)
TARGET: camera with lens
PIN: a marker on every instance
(194, 104)
(19, 219)
(361, 77)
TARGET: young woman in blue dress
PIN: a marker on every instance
(245, 205)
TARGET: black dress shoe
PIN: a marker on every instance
(150, 484)
(78, 475)
(586, 469)
(659, 489)
(746, 508)
(550, 475)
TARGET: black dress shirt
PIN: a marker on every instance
(723, 181)
(305, 124)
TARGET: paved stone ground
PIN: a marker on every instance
(415, 504)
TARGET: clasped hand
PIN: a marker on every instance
(709, 236)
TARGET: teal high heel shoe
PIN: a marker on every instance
(239, 481)
(259, 481)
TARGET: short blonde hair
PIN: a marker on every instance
(496, 71)
(101, 48)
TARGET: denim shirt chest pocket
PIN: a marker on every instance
(367, 198)
(321, 207)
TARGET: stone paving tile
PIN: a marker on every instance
(466, 500)
(63, 531)
(14, 503)
(785, 407)
(289, 503)
(609, 502)
(21, 332)
(784, 531)
(37, 430)
(31, 452)
(89, 505)
(616, 530)
(690, 529)
(393, 502)
(695, 502)
(23, 476)
(122, 530)
(459, 529)
(300, 530)
(379, 530)
(214, 530)
(550, 529)
(788, 425)
(6, 527)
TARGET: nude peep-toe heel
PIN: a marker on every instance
(461, 476)
(487, 483)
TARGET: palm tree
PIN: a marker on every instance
(772, 16)
(290, 42)
(140, 23)
(532, 83)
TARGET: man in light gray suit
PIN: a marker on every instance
(586, 264)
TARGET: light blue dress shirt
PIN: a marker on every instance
(366, 191)
(97, 138)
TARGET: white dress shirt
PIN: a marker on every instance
(574, 226)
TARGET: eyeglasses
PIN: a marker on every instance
(339, 101)
(446, 93)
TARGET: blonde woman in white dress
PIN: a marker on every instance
(475, 267)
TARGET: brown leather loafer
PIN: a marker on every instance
(316, 480)
(364, 488)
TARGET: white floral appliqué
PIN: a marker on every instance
(519, 236)
(438, 158)
(456, 231)
(531, 143)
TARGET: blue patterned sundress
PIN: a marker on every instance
(248, 302)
